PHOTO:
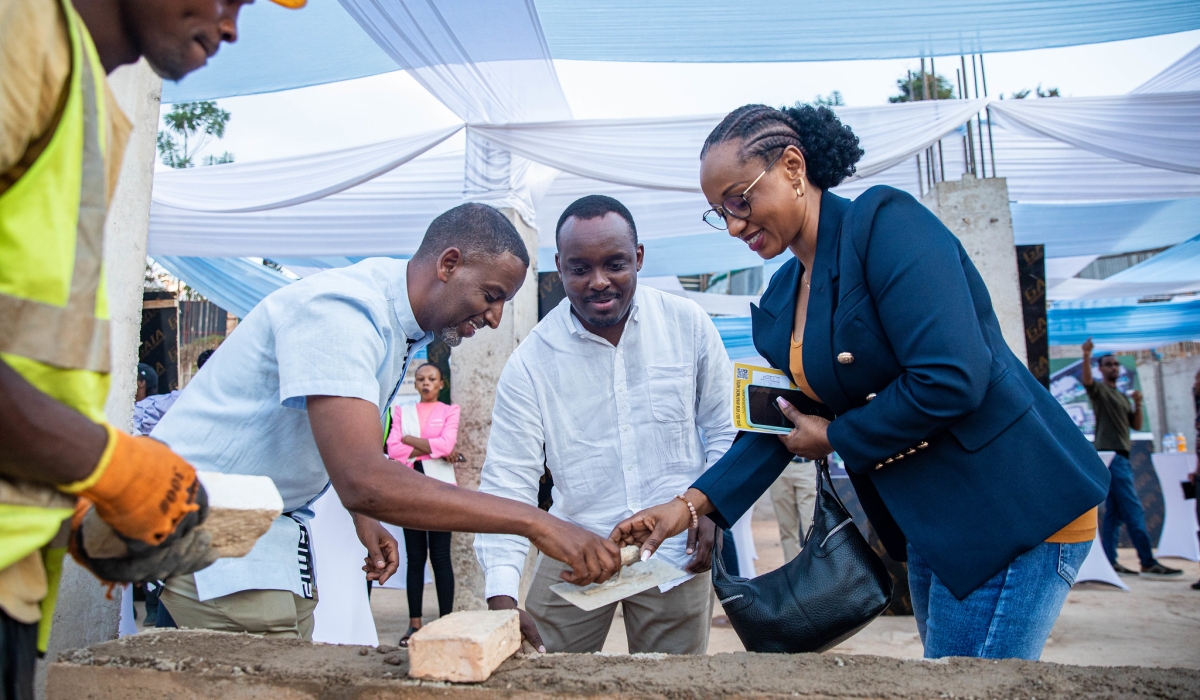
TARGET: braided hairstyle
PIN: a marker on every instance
(830, 148)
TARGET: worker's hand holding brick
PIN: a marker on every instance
(146, 492)
(112, 557)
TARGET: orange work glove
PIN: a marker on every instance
(146, 492)
(113, 559)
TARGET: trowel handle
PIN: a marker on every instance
(630, 555)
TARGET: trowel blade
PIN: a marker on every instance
(632, 580)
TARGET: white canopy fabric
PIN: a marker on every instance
(665, 153)
(1156, 130)
(1059, 192)
(323, 43)
(285, 182)
(488, 62)
(492, 66)
(1174, 271)
(1181, 76)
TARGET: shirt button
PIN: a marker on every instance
(620, 388)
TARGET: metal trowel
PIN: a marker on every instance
(635, 576)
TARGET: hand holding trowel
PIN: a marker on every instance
(635, 576)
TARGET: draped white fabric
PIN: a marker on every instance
(1040, 169)
(1173, 271)
(285, 182)
(664, 153)
(384, 216)
(282, 50)
(487, 62)
(1157, 130)
(1181, 76)
(388, 215)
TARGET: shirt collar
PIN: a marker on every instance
(403, 309)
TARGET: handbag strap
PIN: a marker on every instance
(824, 475)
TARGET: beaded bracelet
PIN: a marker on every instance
(692, 508)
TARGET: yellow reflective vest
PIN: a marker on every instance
(54, 326)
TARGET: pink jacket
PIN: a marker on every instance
(441, 430)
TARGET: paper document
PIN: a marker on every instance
(754, 392)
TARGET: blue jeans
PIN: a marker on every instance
(1124, 506)
(1008, 617)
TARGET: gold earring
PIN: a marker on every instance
(802, 189)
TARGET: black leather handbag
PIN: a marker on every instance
(831, 590)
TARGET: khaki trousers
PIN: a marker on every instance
(675, 622)
(794, 496)
(264, 612)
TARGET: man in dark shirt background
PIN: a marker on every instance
(1196, 474)
(1114, 418)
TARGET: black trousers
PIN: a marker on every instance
(422, 544)
(18, 658)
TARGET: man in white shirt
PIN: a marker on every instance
(298, 393)
(624, 394)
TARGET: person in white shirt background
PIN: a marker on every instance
(299, 392)
(624, 393)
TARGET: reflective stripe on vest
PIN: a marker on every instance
(45, 315)
(53, 307)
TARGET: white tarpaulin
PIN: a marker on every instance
(1181, 76)
(1157, 130)
(389, 214)
(285, 182)
(665, 153)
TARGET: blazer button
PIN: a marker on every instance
(845, 358)
(871, 396)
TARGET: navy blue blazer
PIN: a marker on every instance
(903, 347)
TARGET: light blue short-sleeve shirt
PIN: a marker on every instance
(345, 332)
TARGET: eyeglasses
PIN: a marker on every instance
(736, 205)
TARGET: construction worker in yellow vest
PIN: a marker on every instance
(131, 504)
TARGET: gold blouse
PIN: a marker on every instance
(796, 364)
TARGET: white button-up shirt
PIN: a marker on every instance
(346, 332)
(621, 428)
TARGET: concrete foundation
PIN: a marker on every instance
(214, 665)
(84, 615)
(476, 366)
(977, 212)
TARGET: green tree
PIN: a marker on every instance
(1022, 94)
(190, 127)
(833, 100)
(912, 87)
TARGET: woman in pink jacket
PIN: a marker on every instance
(423, 437)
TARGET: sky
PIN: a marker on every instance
(366, 110)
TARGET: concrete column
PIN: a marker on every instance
(476, 366)
(84, 615)
(977, 212)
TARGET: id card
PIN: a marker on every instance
(754, 392)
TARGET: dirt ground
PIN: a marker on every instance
(1155, 623)
(197, 664)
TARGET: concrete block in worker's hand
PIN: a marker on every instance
(241, 508)
(464, 647)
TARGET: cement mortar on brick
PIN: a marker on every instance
(475, 368)
(212, 665)
(977, 212)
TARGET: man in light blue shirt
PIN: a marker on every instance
(298, 393)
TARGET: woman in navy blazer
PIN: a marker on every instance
(966, 466)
